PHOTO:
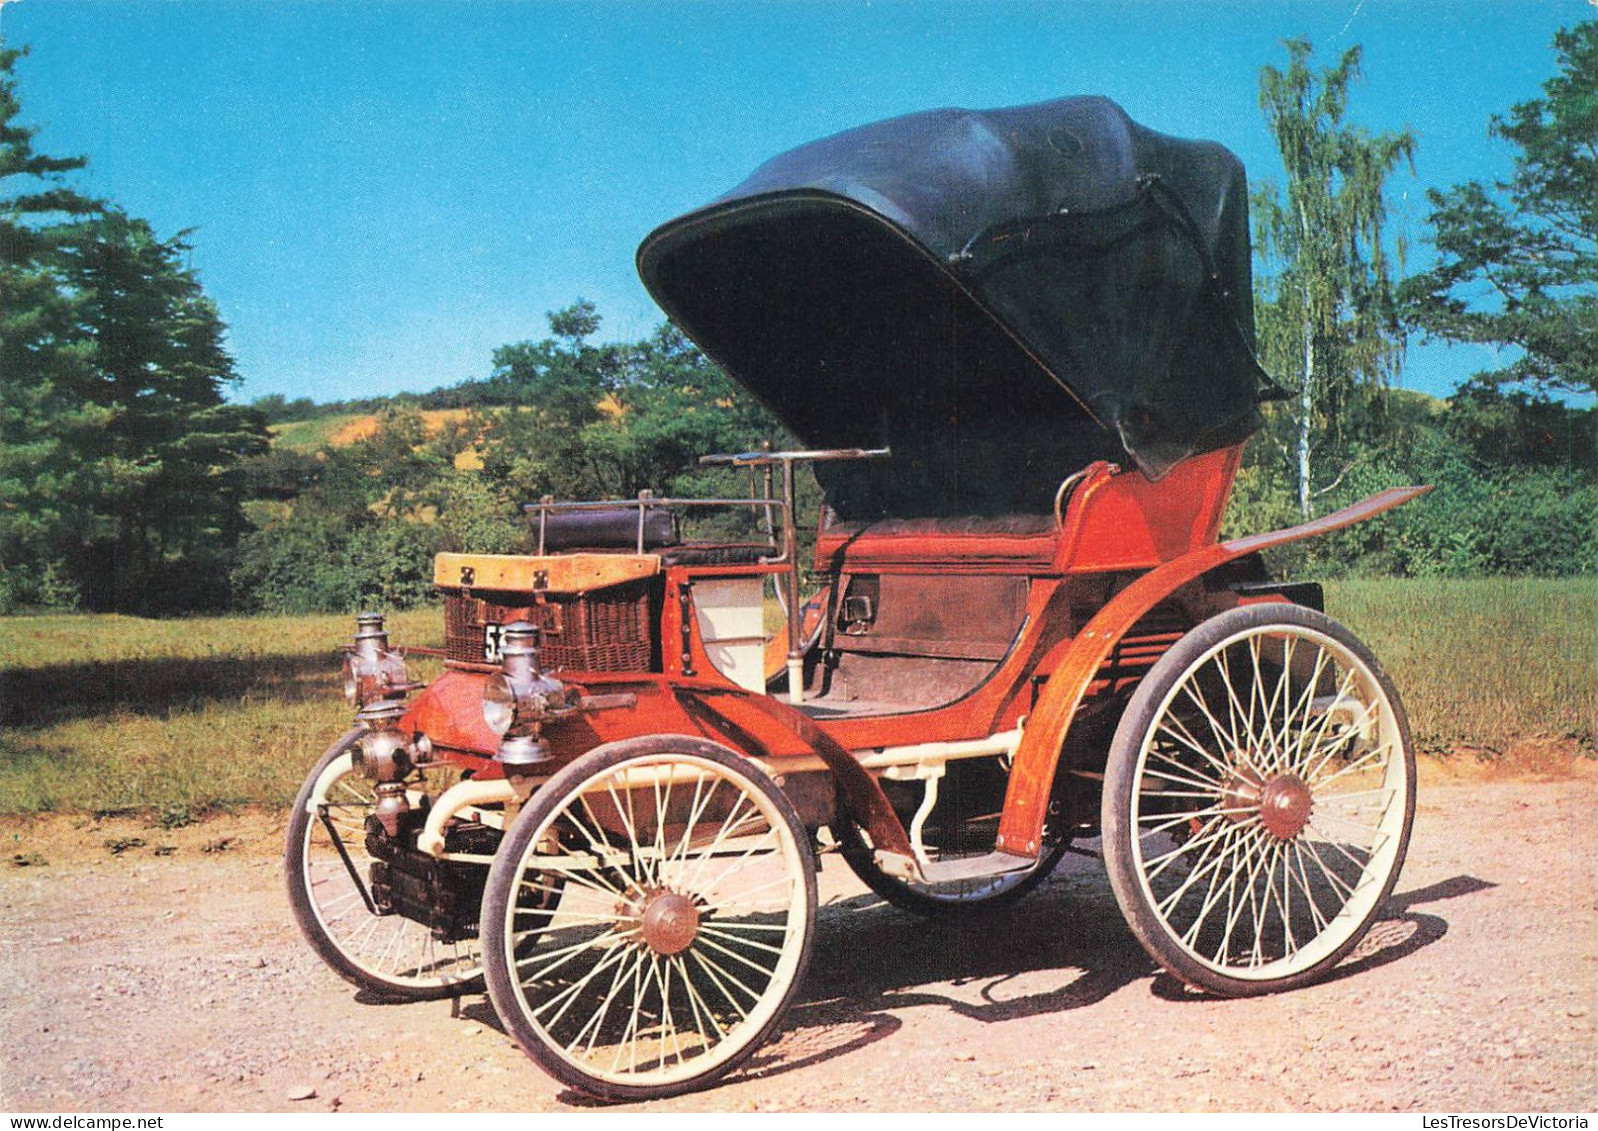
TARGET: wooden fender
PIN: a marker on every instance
(861, 794)
(1026, 801)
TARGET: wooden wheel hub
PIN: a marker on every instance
(670, 922)
(1285, 805)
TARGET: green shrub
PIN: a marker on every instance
(475, 517)
(1478, 521)
(46, 586)
(315, 563)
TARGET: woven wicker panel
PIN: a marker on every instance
(463, 629)
(465, 618)
(607, 631)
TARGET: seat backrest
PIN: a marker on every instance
(1009, 543)
(613, 528)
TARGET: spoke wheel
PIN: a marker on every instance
(1258, 800)
(684, 907)
(329, 876)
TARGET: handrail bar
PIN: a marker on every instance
(651, 501)
(818, 455)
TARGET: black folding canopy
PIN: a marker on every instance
(1000, 296)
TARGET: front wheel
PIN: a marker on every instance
(677, 901)
(1258, 800)
(329, 873)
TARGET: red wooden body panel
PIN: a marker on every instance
(903, 548)
(992, 706)
(1126, 521)
(1115, 521)
(450, 712)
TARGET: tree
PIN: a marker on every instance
(1326, 305)
(593, 421)
(1517, 264)
(39, 356)
(118, 454)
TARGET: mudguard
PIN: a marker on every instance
(1037, 758)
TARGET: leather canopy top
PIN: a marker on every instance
(999, 296)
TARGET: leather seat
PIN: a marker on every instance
(715, 554)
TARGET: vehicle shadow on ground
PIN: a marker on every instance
(1063, 947)
(58, 693)
(1060, 948)
(1397, 934)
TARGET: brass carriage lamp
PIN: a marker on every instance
(375, 683)
(373, 671)
(520, 699)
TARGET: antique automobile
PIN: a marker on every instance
(1016, 348)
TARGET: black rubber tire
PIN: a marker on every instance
(1145, 712)
(543, 815)
(901, 894)
(302, 826)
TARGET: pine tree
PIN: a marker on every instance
(118, 453)
(43, 358)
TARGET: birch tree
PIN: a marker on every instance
(1325, 297)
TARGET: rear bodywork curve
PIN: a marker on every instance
(1037, 759)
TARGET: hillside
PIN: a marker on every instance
(340, 430)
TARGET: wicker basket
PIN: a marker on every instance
(605, 631)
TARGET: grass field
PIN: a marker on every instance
(104, 713)
(311, 435)
(177, 717)
(1483, 664)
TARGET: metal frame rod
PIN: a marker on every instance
(790, 550)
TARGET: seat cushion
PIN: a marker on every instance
(715, 554)
(611, 528)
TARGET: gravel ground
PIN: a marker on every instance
(169, 976)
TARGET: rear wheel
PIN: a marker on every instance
(329, 884)
(950, 900)
(1258, 800)
(962, 820)
(684, 906)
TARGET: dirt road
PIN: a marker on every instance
(146, 982)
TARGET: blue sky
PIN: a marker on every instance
(384, 192)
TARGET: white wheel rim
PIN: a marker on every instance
(389, 948)
(588, 980)
(1264, 720)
